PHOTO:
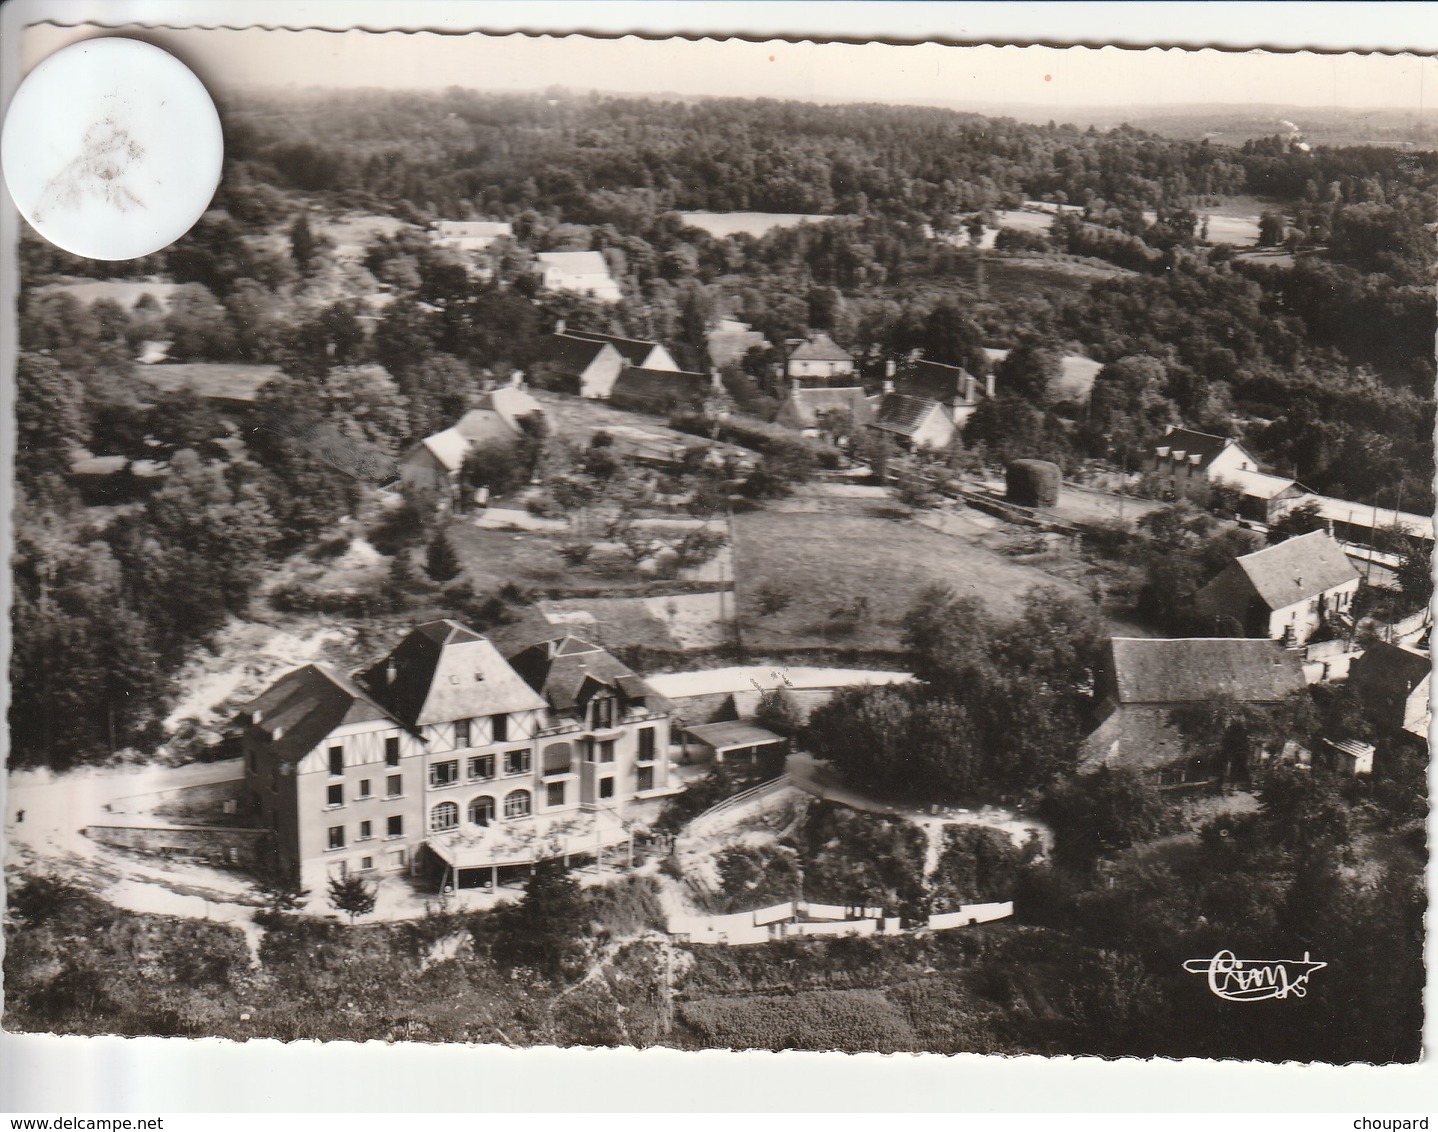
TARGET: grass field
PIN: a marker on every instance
(827, 560)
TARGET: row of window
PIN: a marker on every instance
(463, 733)
(480, 767)
(396, 859)
(335, 792)
(393, 827)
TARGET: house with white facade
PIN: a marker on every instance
(1187, 462)
(501, 417)
(467, 236)
(1284, 592)
(444, 758)
(581, 273)
(819, 357)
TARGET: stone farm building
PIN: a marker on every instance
(1285, 592)
(435, 463)
(926, 404)
(1143, 686)
(445, 758)
(581, 273)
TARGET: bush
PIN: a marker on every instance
(757, 877)
(1033, 483)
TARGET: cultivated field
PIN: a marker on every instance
(827, 561)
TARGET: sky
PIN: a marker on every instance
(923, 73)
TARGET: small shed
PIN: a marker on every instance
(733, 741)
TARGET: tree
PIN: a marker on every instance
(1029, 372)
(546, 930)
(1100, 812)
(352, 895)
(440, 561)
(302, 244)
(49, 417)
(1300, 520)
(1271, 229)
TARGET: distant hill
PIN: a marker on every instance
(1235, 123)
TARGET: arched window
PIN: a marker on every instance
(517, 805)
(481, 810)
(444, 816)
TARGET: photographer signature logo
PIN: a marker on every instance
(1255, 980)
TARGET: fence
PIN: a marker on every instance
(970, 914)
(697, 827)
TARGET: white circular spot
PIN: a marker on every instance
(112, 149)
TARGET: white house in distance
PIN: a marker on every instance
(818, 357)
(470, 235)
(583, 273)
(435, 463)
(447, 759)
(1284, 592)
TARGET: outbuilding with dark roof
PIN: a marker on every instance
(1142, 685)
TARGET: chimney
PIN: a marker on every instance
(970, 387)
(794, 385)
(889, 383)
(716, 383)
(389, 672)
(989, 386)
(889, 368)
(516, 379)
(559, 327)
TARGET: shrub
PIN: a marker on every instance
(1033, 483)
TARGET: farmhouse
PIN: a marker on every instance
(1394, 684)
(444, 757)
(1285, 592)
(660, 391)
(818, 357)
(580, 366)
(925, 404)
(814, 410)
(635, 351)
(1142, 684)
(435, 463)
(1187, 462)
(581, 273)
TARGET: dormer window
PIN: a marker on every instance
(601, 711)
